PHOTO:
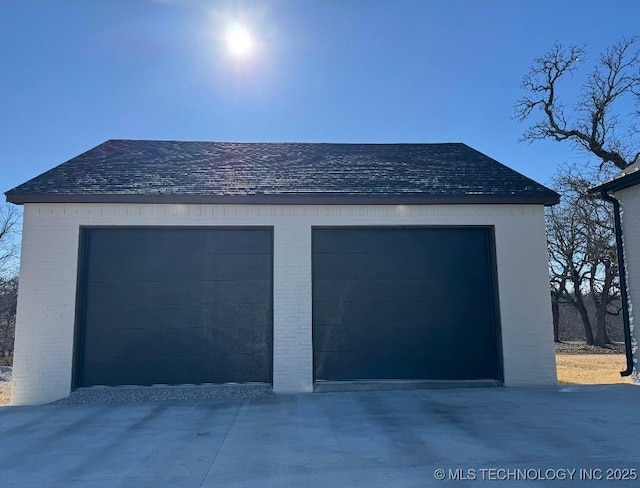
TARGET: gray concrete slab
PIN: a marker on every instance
(504, 436)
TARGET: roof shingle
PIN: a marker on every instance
(219, 172)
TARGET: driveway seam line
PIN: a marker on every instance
(233, 421)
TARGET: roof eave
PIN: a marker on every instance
(618, 183)
(289, 199)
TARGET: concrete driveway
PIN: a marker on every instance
(504, 436)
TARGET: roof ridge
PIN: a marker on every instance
(178, 141)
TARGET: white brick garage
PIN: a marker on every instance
(44, 359)
(46, 308)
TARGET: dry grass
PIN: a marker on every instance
(590, 369)
(5, 393)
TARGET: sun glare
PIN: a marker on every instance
(239, 41)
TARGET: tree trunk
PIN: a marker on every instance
(578, 302)
(602, 338)
(555, 311)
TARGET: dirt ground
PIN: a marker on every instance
(579, 347)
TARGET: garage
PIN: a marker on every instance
(303, 266)
(174, 306)
(410, 303)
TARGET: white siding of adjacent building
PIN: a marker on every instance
(630, 215)
(47, 295)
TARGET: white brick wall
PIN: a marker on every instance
(46, 304)
(292, 349)
(630, 215)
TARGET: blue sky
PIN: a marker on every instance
(76, 73)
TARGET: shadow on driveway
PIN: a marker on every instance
(368, 439)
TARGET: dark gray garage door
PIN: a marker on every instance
(175, 306)
(404, 303)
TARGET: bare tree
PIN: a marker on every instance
(8, 304)
(8, 248)
(582, 252)
(597, 123)
(558, 296)
(8, 280)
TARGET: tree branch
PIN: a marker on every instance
(617, 75)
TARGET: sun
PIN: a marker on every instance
(239, 41)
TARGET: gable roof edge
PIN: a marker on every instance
(298, 199)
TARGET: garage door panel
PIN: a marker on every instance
(196, 369)
(192, 341)
(178, 267)
(140, 315)
(100, 267)
(108, 292)
(145, 293)
(109, 316)
(236, 267)
(437, 241)
(406, 366)
(98, 371)
(249, 242)
(405, 337)
(193, 370)
(246, 314)
(163, 242)
(245, 367)
(191, 294)
(154, 268)
(106, 345)
(387, 290)
(387, 366)
(132, 342)
(350, 240)
(185, 293)
(140, 359)
(391, 313)
(404, 303)
(179, 316)
(390, 266)
(173, 305)
(239, 340)
(237, 291)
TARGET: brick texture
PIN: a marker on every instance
(46, 304)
